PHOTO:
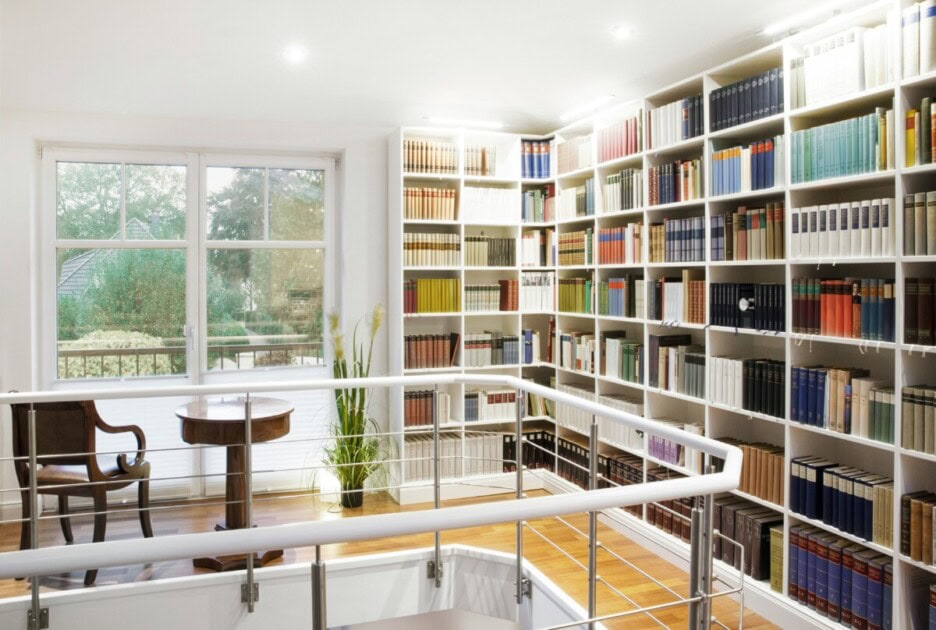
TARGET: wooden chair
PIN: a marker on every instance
(68, 465)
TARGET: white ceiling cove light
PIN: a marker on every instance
(805, 17)
(295, 54)
(460, 122)
(588, 108)
(621, 32)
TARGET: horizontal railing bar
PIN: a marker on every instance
(556, 547)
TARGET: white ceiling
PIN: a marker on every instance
(385, 62)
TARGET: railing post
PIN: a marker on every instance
(707, 579)
(518, 462)
(249, 593)
(436, 487)
(695, 556)
(319, 614)
(37, 617)
(593, 525)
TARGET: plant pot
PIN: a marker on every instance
(352, 496)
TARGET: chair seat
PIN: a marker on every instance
(69, 475)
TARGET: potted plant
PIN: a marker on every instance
(355, 451)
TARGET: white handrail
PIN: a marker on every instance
(54, 560)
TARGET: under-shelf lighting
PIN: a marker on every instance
(588, 108)
(805, 17)
(459, 122)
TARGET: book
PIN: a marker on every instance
(535, 158)
(621, 138)
(573, 154)
(674, 122)
(429, 203)
(436, 295)
(674, 182)
(756, 385)
(820, 307)
(678, 240)
(919, 300)
(746, 100)
(750, 233)
(873, 231)
(744, 168)
(430, 155)
(742, 305)
(840, 141)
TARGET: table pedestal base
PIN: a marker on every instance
(236, 562)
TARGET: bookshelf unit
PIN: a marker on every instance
(896, 363)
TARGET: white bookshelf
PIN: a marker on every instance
(899, 363)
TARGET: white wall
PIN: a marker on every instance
(362, 154)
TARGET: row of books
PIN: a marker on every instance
(538, 247)
(430, 351)
(918, 418)
(624, 137)
(918, 134)
(621, 297)
(746, 100)
(681, 369)
(432, 295)
(621, 245)
(430, 203)
(572, 462)
(864, 144)
(855, 308)
(626, 469)
(844, 63)
(916, 525)
(623, 190)
(502, 296)
(537, 291)
(847, 498)
(840, 580)
(678, 240)
(424, 407)
(618, 432)
(756, 166)
(746, 305)
(480, 160)
(918, 22)
(539, 204)
(577, 351)
(575, 248)
(757, 530)
(574, 153)
(844, 400)
(490, 348)
(672, 452)
(531, 351)
(623, 359)
(430, 155)
(919, 304)
(575, 295)
(756, 385)
(539, 446)
(674, 122)
(762, 469)
(749, 233)
(653, 356)
(850, 229)
(534, 404)
(469, 455)
(484, 204)
(920, 224)
(535, 157)
(578, 201)
(679, 300)
(671, 517)
(676, 181)
(431, 249)
(490, 404)
(489, 251)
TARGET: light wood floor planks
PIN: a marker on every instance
(195, 517)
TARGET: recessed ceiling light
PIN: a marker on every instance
(805, 17)
(621, 32)
(460, 122)
(295, 54)
(587, 108)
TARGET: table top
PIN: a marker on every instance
(231, 409)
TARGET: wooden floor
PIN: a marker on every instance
(195, 517)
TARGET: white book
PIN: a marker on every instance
(910, 22)
(927, 36)
(875, 227)
(794, 233)
(844, 243)
(865, 228)
(854, 228)
(813, 231)
(832, 232)
(888, 229)
(823, 243)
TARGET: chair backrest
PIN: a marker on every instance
(62, 430)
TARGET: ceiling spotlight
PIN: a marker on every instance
(621, 32)
(295, 54)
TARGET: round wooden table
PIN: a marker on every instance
(220, 421)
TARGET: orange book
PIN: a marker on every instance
(856, 311)
(847, 324)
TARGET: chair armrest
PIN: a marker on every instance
(122, 461)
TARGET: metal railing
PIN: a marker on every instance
(37, 562)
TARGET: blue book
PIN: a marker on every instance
(811, 391)
(865, 308)
(835, 578)
(814, 479)
(887, 597)
(822, 572)
(811, 562)
(804, 395)
(819, 414)
(859, 597)
(792, 576)
(848, 564)
(875, 591)
(802, 559)
(830, 493)
(794, 391)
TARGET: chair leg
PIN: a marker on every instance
(100, 526)
(64, 521)
(145, 522)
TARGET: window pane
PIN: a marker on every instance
(264, 307)
(121, 312)
(235, 203)
(87, 200)
(155, 202)
(297, 205)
